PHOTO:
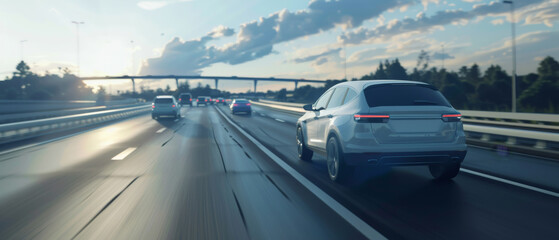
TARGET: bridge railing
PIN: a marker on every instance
(11, 132)
(522, 130)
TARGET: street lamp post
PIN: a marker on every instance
(513, 54)
(21, 48)
(78, 43)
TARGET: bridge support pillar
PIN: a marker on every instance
(133, 86)
(177, 82)
(296, 83)
(255, 83)
(216, 80)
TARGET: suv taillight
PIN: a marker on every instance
(371, 118)
(451, 117)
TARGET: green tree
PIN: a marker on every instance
(394, 70)
(282, 95)
(542, 95)
(23, 70)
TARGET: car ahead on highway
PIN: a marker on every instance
(240, 105)
(210, 100)
(185, 99)
(201, 100)
(382, 123)
(220, 101)
(165, 105)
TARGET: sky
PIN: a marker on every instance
(317, 39)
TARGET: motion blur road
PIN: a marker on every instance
(200, 178)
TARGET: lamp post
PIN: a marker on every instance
(513, 54)
(78, 43)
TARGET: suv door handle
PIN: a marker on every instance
(330, 116)
(315, 118)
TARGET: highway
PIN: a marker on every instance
(201, 178)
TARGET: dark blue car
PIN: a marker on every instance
(240, 105)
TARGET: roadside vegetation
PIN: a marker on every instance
(469, 88)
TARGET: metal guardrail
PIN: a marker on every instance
(23, 130)
(28, 106)
(480, 125)
(27, 116)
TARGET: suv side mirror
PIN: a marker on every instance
(308, 107)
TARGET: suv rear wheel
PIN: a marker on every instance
(444, 171)
(303, 152)
(337, 170)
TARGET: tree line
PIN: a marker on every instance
(469, 88)
(26, 85)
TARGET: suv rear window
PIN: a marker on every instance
(403, 95)
(163, 100)
(241, 101)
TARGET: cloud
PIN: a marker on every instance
(439, 56)
(544, 13)
(529, 46)
(317, 56)
(153, 5)
(257, 38)
(186, 57)
(422, 23)
(321, 61)
(498, 21)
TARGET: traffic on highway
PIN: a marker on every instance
(318, 119)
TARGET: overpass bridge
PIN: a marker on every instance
(215, 78)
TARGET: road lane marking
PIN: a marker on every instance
(343, 212)
(8, 151)
(525, 186)
(123, 154)
(160, 130)
(279, 120)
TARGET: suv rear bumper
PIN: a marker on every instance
(403, 158)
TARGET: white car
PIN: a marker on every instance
(383, 123)
(165, 105)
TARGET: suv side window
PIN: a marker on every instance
(337, 97)
(350, 95)
(323, 100)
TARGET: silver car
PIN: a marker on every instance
(383, 123)
(165, 105)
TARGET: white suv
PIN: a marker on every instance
(165, 105)
(383, 122)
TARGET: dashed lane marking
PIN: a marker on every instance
(123, 154)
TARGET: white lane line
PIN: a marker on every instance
(160, 130)
(123, 154)
(347, 215)
(554, 194)
(279, 120)
(64, 137)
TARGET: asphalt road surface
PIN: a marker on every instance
(201, 178)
